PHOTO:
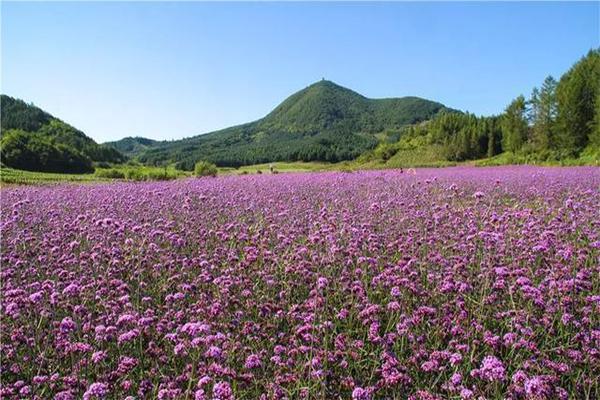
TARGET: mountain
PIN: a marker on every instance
(323, 122)
(132, 146)
(33, 139)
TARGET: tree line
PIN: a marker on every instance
(559, 120)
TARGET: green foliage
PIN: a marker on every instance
(135, 175)
(36, 152)
(20, 177)
(578, 94)
(110, 173)
(160, 175)
(205, 168)
(16, 114)
(61, 147)
(514, 125)
(543, 110)
(323, 122)
(132, 146)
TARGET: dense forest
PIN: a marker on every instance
(34, 140)
(323, 122)
(559, 120)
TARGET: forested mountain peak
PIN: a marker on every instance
(324, 121)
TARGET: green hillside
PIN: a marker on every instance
(323, 122)
(132, 146)
(32, 139)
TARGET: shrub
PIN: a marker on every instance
(135, 175)
(160, 176)
(110, 173)
(204, 168)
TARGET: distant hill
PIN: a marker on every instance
(33, 139)
(132, 146)
(323, 122)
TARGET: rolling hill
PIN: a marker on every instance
(34, 140)
(132, 146)
(323, 122)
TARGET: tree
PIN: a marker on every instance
(577, 94)
(204, 168)
(543, 114)
(514, 125)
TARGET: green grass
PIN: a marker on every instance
(17, 177)
(10, 176)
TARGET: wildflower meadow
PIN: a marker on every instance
(455, 283)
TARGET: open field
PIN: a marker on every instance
(451, 283)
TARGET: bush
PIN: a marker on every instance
(204, 168)
(110, 173)
(160, 176)
(135, 175)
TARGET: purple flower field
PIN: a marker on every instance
(460, 283)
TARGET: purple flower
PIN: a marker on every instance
(213, 352)
(67, 325)
(128, 336)
(360, 394)
(222, 391)
(96, 390)
(491, 369)
(252, 361)
(322, 283)
(99, 356)
(537, 388)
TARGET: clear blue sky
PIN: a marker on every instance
(171, 70)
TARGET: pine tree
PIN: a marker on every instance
(543, 114)
(577, 94)
(514, 125)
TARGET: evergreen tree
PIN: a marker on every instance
(577, 94)
(514, 125)
(544, 108)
